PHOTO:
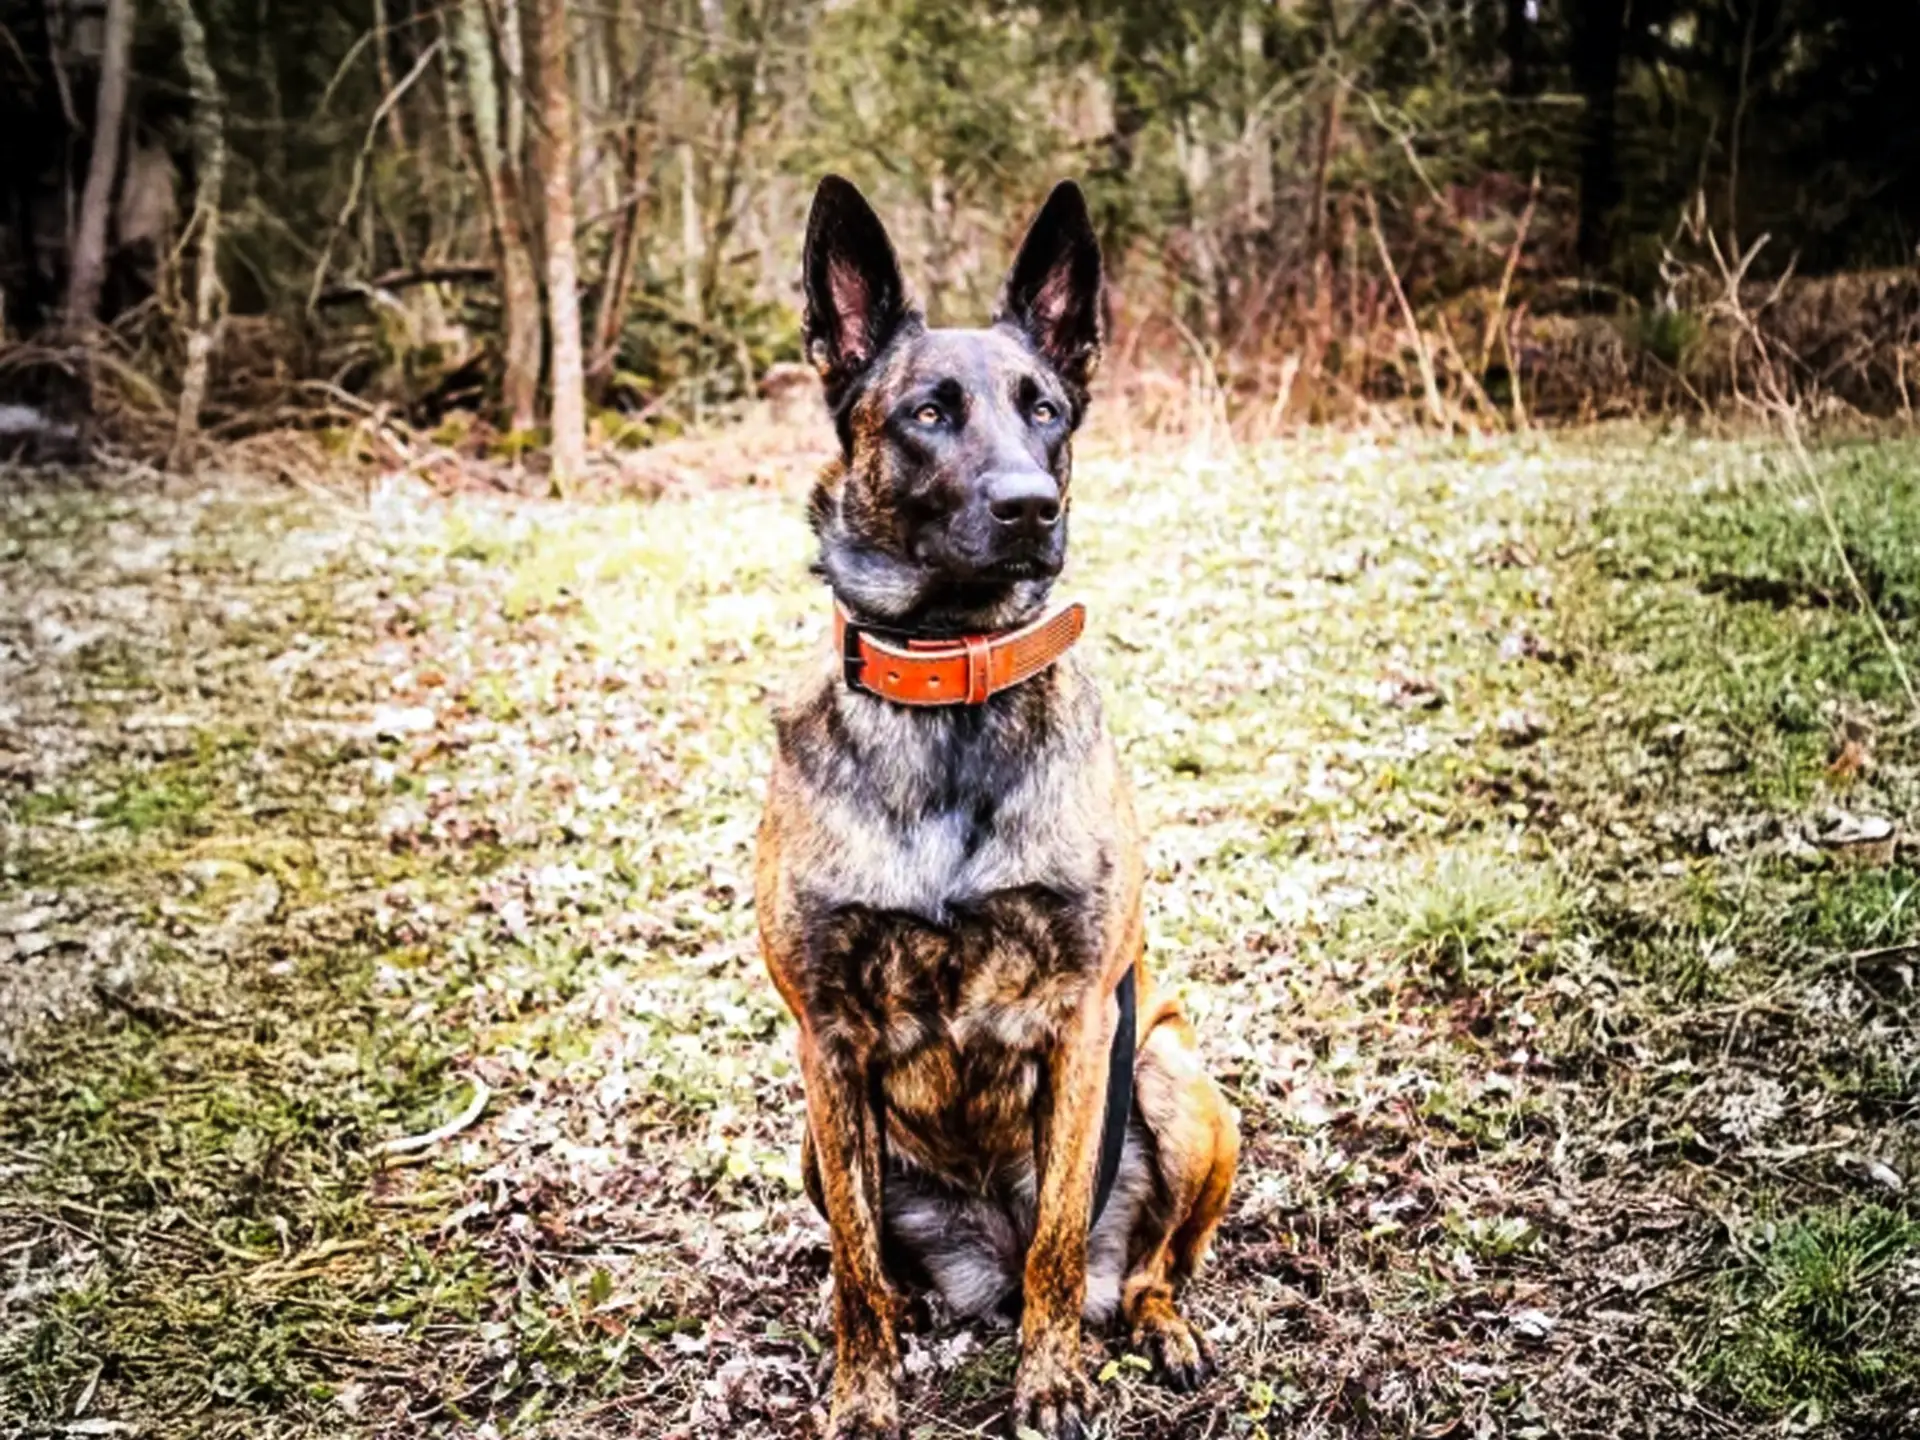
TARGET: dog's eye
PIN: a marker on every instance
(928, 415)
(1044, 412)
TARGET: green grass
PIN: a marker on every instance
(1817, 1318)
(1468, 912)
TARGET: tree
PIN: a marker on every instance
(633, 75)
(496, 148)
(566, 371)
(89, 265)
(210, 159)
(1597, 35)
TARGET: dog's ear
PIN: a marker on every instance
(1053, 294)
(855, 297)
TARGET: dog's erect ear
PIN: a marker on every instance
(1053, 292)
(855, 298)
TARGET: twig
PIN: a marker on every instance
(1506, 275)
(1210, 378)
(392, 98)
(1884, 952)
(56, 54)
(414, 1144)
(1434, 404)
(1512, 352)
(1467, 377)
(1786, 412)
(451, 274)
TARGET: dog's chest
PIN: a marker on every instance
(923, 813)
(953, 1017)
(951, 876)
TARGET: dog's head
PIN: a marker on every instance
(947, 510)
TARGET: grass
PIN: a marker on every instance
(1505, 875)
(1466, 911)
(1816, 1317)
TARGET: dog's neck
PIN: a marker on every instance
(884, 593)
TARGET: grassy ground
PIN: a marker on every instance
(1540, 870)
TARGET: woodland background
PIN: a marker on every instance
(528, 220)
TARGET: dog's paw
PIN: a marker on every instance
(866, 1405)
(862, 1427)
(1051, 1398)
(864, 1420)
(1181, 1357)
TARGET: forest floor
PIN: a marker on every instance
(1541, 871)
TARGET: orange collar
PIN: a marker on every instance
(965, 670)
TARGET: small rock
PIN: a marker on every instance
(256, 908)
(1877, 1172)
(1844, 829)
(396, 722)
(21, 922)
(1535, 1327)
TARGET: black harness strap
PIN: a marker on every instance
(1113, 1138)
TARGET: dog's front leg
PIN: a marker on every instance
(847, 1149)
(1051, 1395)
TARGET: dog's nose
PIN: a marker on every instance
(1029, 500)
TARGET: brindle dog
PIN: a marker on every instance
(949, 896)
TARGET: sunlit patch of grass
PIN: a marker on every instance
(1489, 1116)
(665, 582)
(1721, 932)
(1467, 911)
(1741, 625)
(1811, 1321)
(1860, 908)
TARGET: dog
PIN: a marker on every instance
(948, 877)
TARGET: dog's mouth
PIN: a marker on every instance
(963, 560)
(1022, 567)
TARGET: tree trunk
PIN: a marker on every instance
(210, 161)
(632, 75)
(1597, 35)
(96, 204)
(513, 60)
(690, 245)
(513, 251)
(383, 66)
(745, 90)
(567, 366)
(267, 69)
(1323, 166)
(622, 254)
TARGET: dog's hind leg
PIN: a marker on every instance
(1196, 1141)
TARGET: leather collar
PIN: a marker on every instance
(964, 670)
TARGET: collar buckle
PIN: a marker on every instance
(852, 662)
